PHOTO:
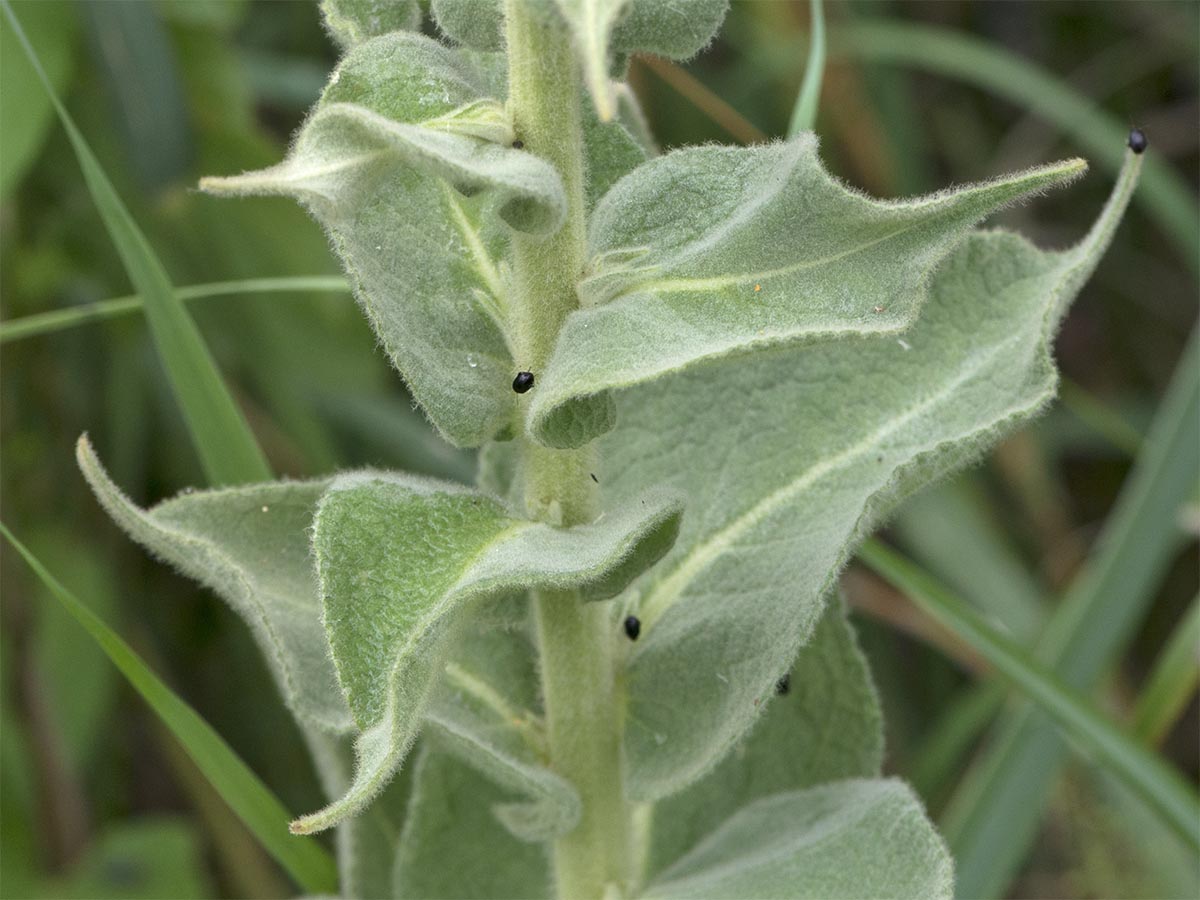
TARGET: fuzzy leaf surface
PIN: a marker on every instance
(486, 713)
(856, 838)
(399, 562)
(606, 32)
(250, 546)
(678, 30)
(366, 844)
(790, 461)
(711, 251)
(351, 22)
(452, 845)
(423, 253)
(827, 727)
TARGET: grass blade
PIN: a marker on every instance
(993, 818)
(1172, 682)
(1143, 772)
(1165, 195)
(804, 114)
(303, 858)
(73, 316)
(227, 448)
(947, 530)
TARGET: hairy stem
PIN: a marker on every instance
(574, 638)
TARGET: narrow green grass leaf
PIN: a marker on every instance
(56, 320)
(993, 817)
(1165, 195)
(303, 858)
(227, 448)
(26, 114)
(1143, 772)
(804, 115)
(1172, 682)
(949, 532)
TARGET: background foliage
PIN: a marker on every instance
(96, 799)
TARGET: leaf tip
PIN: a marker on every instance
(85, 453)
(302, 826)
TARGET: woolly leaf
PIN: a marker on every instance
(791, 460)
(250, 546)
(612, 149)
(365, 844)
(855, 838)
(602, 30)
(676, 30)
(710, 251)
(423, 256)
(452, 846)
(351, 22)
(486, 715)
(826, 727)
(399, 560)
(473, 23)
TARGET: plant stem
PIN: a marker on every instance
(544, 102)
(574, 638)
(582, 725)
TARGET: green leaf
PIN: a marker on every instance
(1148, 776)
(424, 258)
(452, 846)
(790, 461)
(601, 30)
(854, 838)
(710, 251)
(80, 687)
(473, 23)
(591, 23)
(486, 713)
(351, 22)
(827, 727)
(248, 797)
(227, 448)
(949, 531)
(612, 149)
(134, 58)
(677, 30)
(399, 562)
(250, 546)
(27, 114)
(69, 317)
(366, 844)
(1172, 682)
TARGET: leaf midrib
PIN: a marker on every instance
(664, 594)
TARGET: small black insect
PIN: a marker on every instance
(1138, 141)
(594, 478)
(784, 684)
(523, 382)
(633, 627)
(517, 145)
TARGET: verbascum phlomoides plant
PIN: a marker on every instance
(618, 666)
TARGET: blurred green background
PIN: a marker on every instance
(96, 800)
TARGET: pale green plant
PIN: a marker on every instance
(618, 666)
